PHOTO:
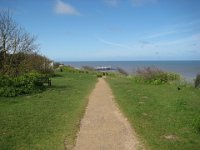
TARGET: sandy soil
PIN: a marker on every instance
(103, 126)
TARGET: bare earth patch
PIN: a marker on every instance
(171, 137)
(103, 126)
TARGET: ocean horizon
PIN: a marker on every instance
(186, 68)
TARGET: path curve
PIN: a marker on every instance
(103, 126)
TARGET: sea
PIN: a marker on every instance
(187, 69)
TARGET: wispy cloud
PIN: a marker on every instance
(175, 29)
(113, 43)
(189, 39)
(113, 3)
(161, 34)
(135, 3)
(65, 8)
(190, 23)
(143, 2)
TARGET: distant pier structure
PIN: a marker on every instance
(104, 68)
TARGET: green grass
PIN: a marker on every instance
(163, 117)
(48, 120)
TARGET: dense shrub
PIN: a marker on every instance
(197, 81)
(5, 81)
(105, 73)
(69, 69)
(155, 76)
(99, 75)
(24, 84)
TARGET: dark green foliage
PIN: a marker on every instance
(105, 73)
(25, 84)
(155, 76)
(5, 81)
(99, 75)
(81, 71)
(197, 81)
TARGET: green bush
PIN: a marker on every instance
(24, 84)
(105, 73)
(99, 75)
(197, 81)
(155, 76)
(68, 68)
(5, 81)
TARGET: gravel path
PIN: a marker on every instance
(103, 127)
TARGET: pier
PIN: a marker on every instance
(104, 68)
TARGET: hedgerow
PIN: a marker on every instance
(25, 84)
(155, 76)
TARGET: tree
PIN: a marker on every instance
(13, 40)
(7, 27)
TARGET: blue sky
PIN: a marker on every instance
(80, 30)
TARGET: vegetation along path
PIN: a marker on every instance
(103, 126)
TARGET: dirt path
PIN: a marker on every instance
(103, 126)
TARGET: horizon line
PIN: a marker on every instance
(120, 60)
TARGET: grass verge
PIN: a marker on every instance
(48, 120)
(164, 117)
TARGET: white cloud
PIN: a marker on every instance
(113, 43)
(175, 29)
(162, 34)
(65, 8)
(112, 2)
(143, 2)
(188, 24)
(184, 40)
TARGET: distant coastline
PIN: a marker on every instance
(187, 68)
